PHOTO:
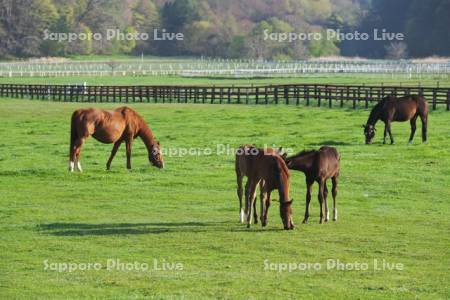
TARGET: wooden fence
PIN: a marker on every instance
(307, 94)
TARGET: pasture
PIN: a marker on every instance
(392, 202)
(355, 79)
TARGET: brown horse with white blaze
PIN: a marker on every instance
(392, 109)
(318, 166)
(111, 127)
(266, 168)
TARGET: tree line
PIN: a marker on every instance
(217, 28)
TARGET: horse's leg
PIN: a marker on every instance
(325, 199)
(251, 201)
(308, 200)
(424, 119)
(128, 146)
(247, 193)
(334, 191)
(239, 194)
(385, 133)
(255, 211)
(113, 153)
(388, 124)
(321, 199)
(413, 129)
(77, 153)
(266, 214)
(262, 200)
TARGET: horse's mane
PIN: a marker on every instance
(280, 168)
(301, 153)
(374, 114)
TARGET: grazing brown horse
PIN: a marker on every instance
(392, 109)
(241, 171)
(118, 126)
(318, 165)
(268, 169)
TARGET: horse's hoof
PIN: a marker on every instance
(248, 226)
(305, 222)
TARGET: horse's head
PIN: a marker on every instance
(156, 157)
(369, 132)
(286, 214)
(281, 153)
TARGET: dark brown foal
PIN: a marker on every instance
(318, 165)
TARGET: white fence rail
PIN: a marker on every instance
(219, 68)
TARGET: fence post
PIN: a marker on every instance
(367, 99)
(448, 99)
(239, 95)
(266, 95)
(276, 95)
(330, 100)
(319, 96)
(434, 99)
(286, 95)
(257, 95)
(307, 95)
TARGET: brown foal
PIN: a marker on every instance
(117, 126)
(266, 168)
(318, 165)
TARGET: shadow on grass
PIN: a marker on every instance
(86, 229)
(82, 229)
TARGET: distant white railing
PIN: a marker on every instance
(235, 68)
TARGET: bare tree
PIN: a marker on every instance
(396, 50)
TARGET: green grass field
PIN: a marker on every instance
(356, 79)
(393, 206)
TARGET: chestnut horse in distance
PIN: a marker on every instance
(318, 165)
(392, 109)
(266, 168)
(117, 126)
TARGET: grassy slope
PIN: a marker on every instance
(393, 205)
(175, 80)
